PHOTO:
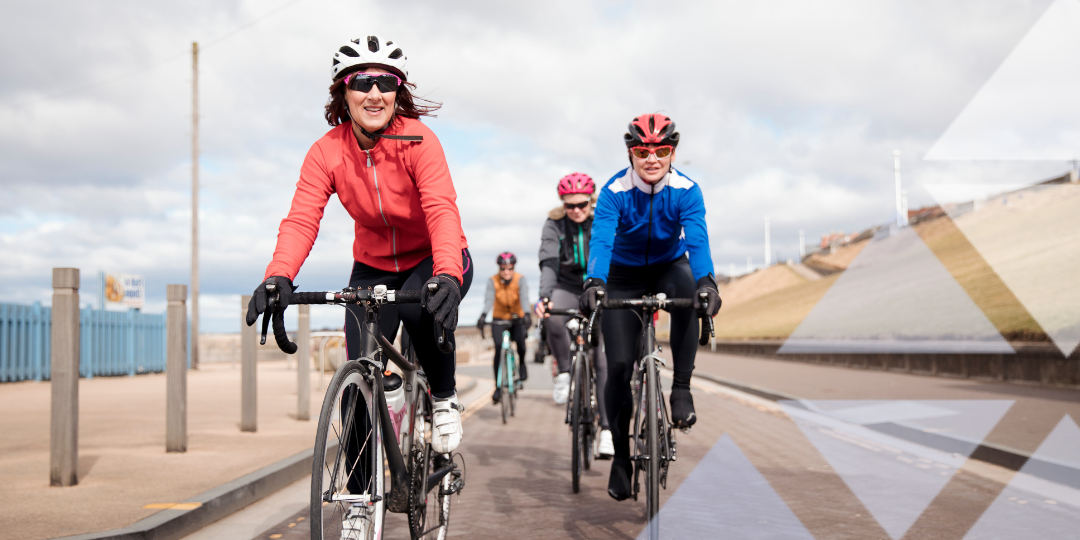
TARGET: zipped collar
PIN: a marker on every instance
(651, 189)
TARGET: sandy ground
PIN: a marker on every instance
(122, 460)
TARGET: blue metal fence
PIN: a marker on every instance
(112, 342)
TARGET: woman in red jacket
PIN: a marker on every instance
(389, 172)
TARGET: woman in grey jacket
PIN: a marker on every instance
(564, 254)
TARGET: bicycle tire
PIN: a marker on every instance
(591, 413)
(333, 481)
(429, 506)
(511, 363)
(652, 434)
(576, 425)
(504, 402)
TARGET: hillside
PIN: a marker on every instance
(770, 303)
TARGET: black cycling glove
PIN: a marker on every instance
(707, 285)
(443, 301)
(588, 300)
(528, 320)
(480, 323)
(262, 300)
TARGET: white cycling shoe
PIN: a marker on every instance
(561, 393)
(446, 429)
(605, 448)
(357, 524)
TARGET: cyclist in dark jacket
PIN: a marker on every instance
(564, 252)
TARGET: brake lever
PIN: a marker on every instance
(594, 336)
(271, 303)
(444, 344)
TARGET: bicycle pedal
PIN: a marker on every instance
(686, 429)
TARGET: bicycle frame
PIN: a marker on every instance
(509, 365)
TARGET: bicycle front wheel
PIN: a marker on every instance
(347, 476)
(652, 444)
(577, 453)
(506, 397)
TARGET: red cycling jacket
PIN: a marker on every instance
(399, 192)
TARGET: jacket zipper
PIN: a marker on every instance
(378, 196)
(648, 238)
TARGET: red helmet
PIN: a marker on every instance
(576, 183)
(506, 258)
(651, 129)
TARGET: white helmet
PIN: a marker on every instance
(373, 52)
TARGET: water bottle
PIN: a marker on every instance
(395, 398)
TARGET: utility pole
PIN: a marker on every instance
(768, 244)
(903, 206)
(899, 203)
(195, 204)
(802, 245)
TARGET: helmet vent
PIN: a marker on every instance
(335, 62)
(396, 54)
(652, 124)
(347, 51)
(373, 44)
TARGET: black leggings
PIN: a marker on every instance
(438, 366)
(517, 335)
(622, 336)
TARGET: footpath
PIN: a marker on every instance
(1033, 415)
(125, 475)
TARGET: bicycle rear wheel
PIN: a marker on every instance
(429, 497)
(347, 468)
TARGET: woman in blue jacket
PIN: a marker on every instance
(648, 218)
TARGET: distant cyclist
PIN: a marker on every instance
(507, 298)
(648, 217)
(389, 172)
(564, 252)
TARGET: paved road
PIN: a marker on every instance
(749, 469)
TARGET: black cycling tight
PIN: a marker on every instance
(438, 366)
(622, 336)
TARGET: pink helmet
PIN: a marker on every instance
(576, 183)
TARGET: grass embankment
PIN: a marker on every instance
(770, 303)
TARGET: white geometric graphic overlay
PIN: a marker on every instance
(1028, 109)
(1031, 238)
(1032, 506)
(896, 297)
(726, 497)
(896, 456)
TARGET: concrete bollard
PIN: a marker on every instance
(247, 368)
(64, 429)
(176, 369)
(303, 364)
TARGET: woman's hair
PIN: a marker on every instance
(404, 103)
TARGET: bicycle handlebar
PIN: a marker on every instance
(376, 295)
(653, 302)
(565, 312)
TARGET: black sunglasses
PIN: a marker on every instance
(362, 82)
(577, 206)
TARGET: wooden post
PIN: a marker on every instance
(303, 364)
(176, 369)
(247, 369)
(64, 430)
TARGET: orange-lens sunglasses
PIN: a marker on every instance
(661, 152)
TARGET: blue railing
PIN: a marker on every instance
(112, 342)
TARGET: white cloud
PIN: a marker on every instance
(787, 108)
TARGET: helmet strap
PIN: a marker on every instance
(379, 132)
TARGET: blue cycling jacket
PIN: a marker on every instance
(638, 224)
